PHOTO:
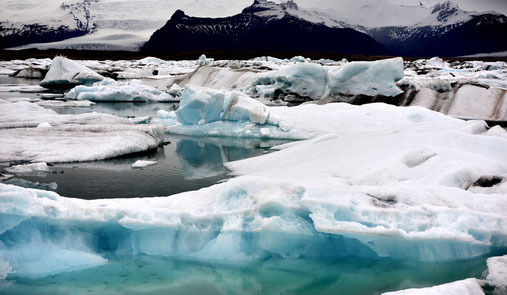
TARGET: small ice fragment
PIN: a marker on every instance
(201, 122)
(143, 163)
(44, 125)
(264, 132)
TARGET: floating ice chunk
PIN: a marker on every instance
(22, 88)
(25, 114)
(315, 82)
(497, 274)
(66, 73)
(44, 125)
(368, 78)
(149, 60)
(464, 287)
(203, 60)
(59, 103)
(110, 90)
(214, 105)
(27, 168)
(81, 137)
(73, 143)
(143, 163)
(5, 269)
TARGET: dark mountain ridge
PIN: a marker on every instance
(263, 26)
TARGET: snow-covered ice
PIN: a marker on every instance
(66, 73)
(464, 287)
(110, 90)
(375, 181)
(32, 133)
(497, 274)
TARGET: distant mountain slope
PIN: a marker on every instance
(447, 31)
(262, 26)
(69, 19)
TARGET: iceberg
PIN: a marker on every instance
(209, 112)
(314, 81)
(65, 73)
(211, 105)
(110, 90)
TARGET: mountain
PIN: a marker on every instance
(263, 26)
(52, 23)
(446, 31)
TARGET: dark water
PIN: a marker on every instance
(159, 275)
(183, 165)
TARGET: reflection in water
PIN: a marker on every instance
(204, 157)
(159, 275)
(185, 164)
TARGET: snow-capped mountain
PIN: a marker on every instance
(443, 29)
(446, 31)
(266, 26)
(52, 23)
(113, 24)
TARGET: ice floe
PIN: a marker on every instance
(110, 90)
(27, 168)
(68, 138)
(67, 73)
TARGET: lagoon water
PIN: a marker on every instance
(162, 275)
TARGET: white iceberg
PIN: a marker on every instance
(67, 73)
(110, 90)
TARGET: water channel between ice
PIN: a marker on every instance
(186, 164)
